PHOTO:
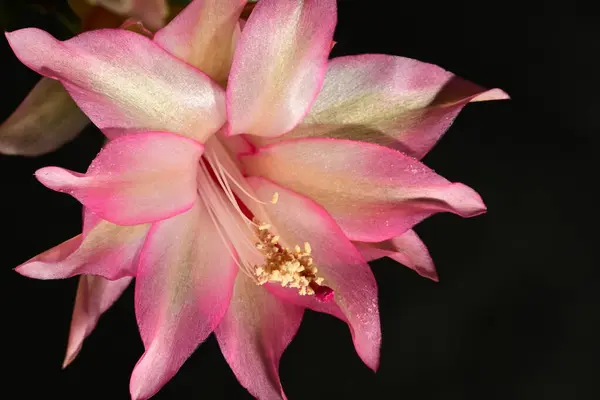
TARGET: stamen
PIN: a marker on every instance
(220, 232)
(275, 198)
(224, 219)
(235, 182)
(289, 268)
(250, 242)
(220, 174)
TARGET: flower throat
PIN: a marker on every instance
(257, 251)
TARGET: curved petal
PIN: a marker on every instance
(279, 65)
(151, 12)
(44, 121)
(122, 80)
(374, 193)
(407, 249)
(95, 295)
(393, 101)
(107, 250)
(183, 288)
(297, 219)
(253, 335)
(204, 35)
(135, 179)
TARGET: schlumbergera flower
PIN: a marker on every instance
(247, 178)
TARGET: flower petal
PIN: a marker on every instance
(135, 179)
(183, 288)
(253, 335)
(393, 101)
(122, 80)
(374, 193)
(204, 35)
(95, 295)
(407, 249)
(108, 250)
(43, 122)
(297, 219)
(279, 65)
(151, 12)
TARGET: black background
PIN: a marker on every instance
(515, 314)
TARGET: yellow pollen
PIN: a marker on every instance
(290, 268)
(275, 198)
(307, 248)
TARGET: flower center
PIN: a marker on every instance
(252, 244)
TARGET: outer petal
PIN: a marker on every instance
(122, 80)
(43, 122)
(374, 193)
(183, 288)
(297, 219)
(108, 250)
(135, 179)
(407, 249)
(204, 35)
(394, 101)
(279, 65)
(254, 334)
(95, 295)
(150, 12)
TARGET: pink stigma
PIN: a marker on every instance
(322, 293)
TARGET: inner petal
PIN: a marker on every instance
(255, 244)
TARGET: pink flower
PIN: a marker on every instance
(235, 209)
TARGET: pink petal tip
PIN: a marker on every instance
(56, 178)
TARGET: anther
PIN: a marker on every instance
(307, 248)
(292, 268)
(275, 198)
